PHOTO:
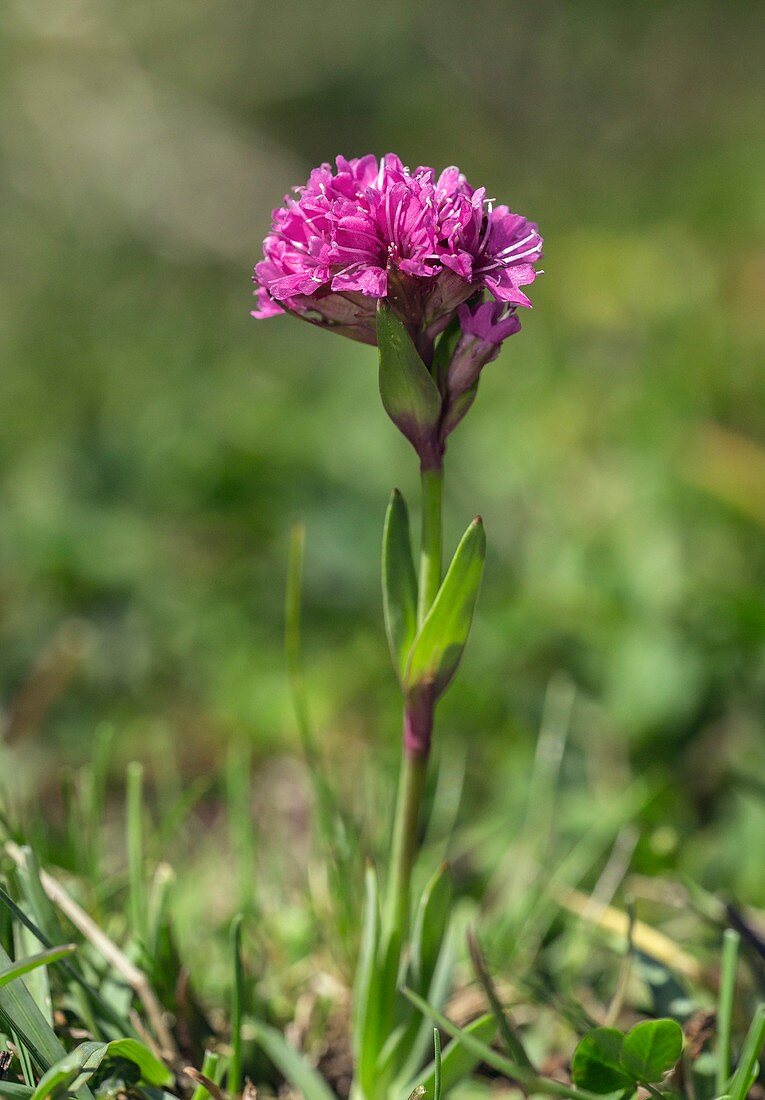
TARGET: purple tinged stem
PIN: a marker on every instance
(418, 722)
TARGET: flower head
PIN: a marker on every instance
(374, 236)
(369, 230)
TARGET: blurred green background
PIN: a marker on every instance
(156, 443)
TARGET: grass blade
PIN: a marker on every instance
(19, 1014)
(210, 1072)
(234, 1081)
(457, 1062)
(746, 1071)
(436, 1064)
(291, 1063)
(507, 1027)
(31, 962)
(731, 941)
(134, 846)
(364, 998)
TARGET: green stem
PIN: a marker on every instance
(410, 789)
(414, 764)
(432, 482)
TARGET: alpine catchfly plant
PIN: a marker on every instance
(431, 271)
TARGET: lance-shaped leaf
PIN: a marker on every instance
(32, 962)
(430, 926)
(409, 394)
(20, 1015)
(439, 645)
(365, 1024)
(399, 583)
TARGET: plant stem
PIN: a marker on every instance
(410, 788)
(432, 482)
(414, 764)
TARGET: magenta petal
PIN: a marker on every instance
(461, 263)
(505, 284)
(372, 281)
(419, 268)
(304, 282)
(267, 307)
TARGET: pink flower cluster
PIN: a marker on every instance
(427, 244)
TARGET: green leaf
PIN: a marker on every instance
(418, 1034)
(82, 1062)
(726, 997)
(651, 1049)
(440, 643)
(365, 1001)
(71, 1071)
(437, 1065)
(291, 1063)
(153, 1072)
(747, 1069)
(409, 395)
(10, 1090)
(234, 1077)
(44, 911)
(508, 1029)
(597, 1064)
(429, 929)
(457, 1061)
(399, 583)
(20, 1014)
(43, 958)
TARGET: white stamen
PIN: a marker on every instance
(519, 244)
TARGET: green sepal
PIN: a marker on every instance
(445, 346)
(458, 408)
(399, 583)
(409, 394)
(438, 647)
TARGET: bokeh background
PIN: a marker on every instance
(157, 444)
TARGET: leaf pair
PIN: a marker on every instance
(607, 1061)
(428, 657)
